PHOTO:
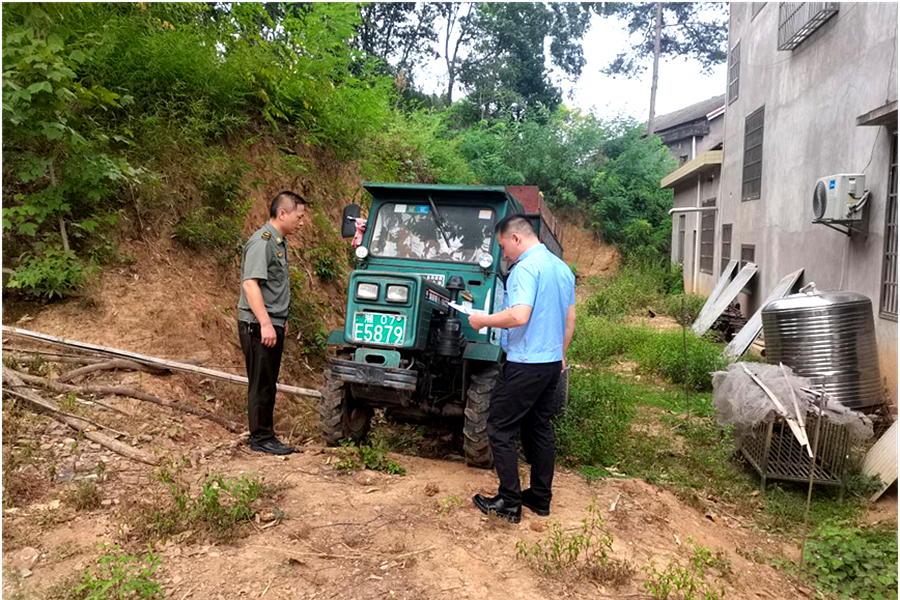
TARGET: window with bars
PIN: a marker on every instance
(889, 266)
(734, 72)
(751, 181)
(682, 220)
(707, 237)
(726, 247)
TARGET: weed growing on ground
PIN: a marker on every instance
(853, 562)
(448, 504)
(583, 552)
(686, 582)
(597, 419)
(85, 495)
(372, 457)
(119, 575)
(220, 507)
(598, 341)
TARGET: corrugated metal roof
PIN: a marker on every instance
(688, 114)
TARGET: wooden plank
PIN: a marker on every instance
(750, 331)
(881, 460)
(708, 315)
(720, 285)
(152, 360)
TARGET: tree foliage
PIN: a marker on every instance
(113, 110)
(691, 30)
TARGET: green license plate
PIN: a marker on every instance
(378, 328)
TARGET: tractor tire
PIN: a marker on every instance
(476, 444)
(561, 399)
(339, 419)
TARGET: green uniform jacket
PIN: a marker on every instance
(265, 259)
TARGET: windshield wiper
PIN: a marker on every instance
(439, 221)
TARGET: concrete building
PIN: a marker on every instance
(811, 92)
(694, 136)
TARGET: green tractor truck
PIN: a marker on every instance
(403, 348)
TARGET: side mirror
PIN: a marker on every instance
(348, 220)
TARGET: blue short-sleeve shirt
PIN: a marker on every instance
(542, 281)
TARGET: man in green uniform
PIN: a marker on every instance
(262, 315)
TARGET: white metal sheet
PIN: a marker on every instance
(720, 285)
(881, 460)
(751, 328)
(709, 314)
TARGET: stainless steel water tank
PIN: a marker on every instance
(828, 337)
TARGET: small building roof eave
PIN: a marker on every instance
(886, 115)
(702, 163)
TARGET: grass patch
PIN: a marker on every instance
(218, 509)
(372, 457)
(584, 552)
(85, 495)
(119, 575)
(680, 581)
(599, 341)
(597, 419)
(634, 289)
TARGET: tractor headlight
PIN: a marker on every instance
(485, 261)
(367, 291)
(361, 252)
(397, 293)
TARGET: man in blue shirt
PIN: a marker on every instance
(539, 314)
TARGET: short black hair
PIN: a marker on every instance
(515, 224)
(286, 200)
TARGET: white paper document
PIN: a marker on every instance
(466, 310)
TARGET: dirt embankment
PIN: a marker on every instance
(584, 249)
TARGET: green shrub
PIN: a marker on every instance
(672, 306)
(585, 551)
(119, 575)
(218, 509)
(598, 340)
(367, 456)
(330, 255)
(853, 562)
(686, 582)
(597, 420)
(638, 286)
(52, 273)
(217, 224)
(663, 354)
(305, 316)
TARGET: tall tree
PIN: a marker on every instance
(507, 63)
(692, 30)
(402, 34)
(458, 24)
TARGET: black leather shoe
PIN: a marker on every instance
(498, 506)
(271, 447)
(532, 504)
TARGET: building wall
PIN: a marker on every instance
(686, 195)
(812, 97)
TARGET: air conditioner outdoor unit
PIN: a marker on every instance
(840, 198)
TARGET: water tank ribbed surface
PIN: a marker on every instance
(828, 337)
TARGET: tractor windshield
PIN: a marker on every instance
(411, 231)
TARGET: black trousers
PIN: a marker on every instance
(523, 400)
(263, 364)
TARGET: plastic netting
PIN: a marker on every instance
(741, 402)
